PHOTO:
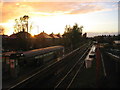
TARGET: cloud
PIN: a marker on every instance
(61, 0)
(92, 34)
(12, 10)
(86, 9)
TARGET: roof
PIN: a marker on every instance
(13, 36)
(60, 36)
(91, 52)
(53, 36)
(41, 51)
(8, 53)
(43, 35)
(5, 36)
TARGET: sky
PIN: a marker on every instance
(96, 16)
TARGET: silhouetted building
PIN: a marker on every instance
(19, 41)
(55, 39)
(54, 36)
(60, 36)
(43, 35)
(4, 37)
(42, 40)
(5, 41)
(13, 36)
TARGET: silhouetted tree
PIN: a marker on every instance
(24, 40)
(22, 24)
(25, 18)
(85, 35)
(1, 30)
(72, 35)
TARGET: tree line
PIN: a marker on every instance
(71, 38)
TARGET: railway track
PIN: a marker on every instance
(42, 74)
(67, 80)
(52, 81)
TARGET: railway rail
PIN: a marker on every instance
(52, 68)
(51, 82)
(117, 58)
(67, 80)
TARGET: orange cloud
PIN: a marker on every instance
(61, 0)
(13, 10)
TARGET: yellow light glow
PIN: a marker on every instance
(52, 20)
(17, 4)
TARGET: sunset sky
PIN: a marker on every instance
(96, 16)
